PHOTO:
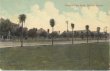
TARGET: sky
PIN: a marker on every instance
(95, 13)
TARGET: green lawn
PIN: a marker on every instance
(58, 57)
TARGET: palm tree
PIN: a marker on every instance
(72, 26)
(98, 33)
(22, 19)
(87, 31)
(52, 24)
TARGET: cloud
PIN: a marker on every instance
(89, 16)
(2, 14)
(39, 18)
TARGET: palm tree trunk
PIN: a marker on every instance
(98, 37)
(52, 35)
(72, 36)
(87, 36)
(22, 35)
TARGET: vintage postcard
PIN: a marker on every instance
(54, 35)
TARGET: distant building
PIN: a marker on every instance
(82, 33)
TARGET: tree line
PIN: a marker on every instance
(12, 30)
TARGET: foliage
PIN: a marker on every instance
(22, 18)
(52, 22)
(32, 32)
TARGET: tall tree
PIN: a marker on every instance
(32, 33)
(52, 24)
(87, 31)
(72, 26)
(98, 33)
(22, 19)
(5, 28)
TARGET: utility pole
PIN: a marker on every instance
(67, 30)
(67, 25)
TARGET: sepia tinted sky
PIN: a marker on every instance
(95, 13)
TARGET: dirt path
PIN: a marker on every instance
(16, 44)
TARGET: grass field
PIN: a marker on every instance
(58, 57)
